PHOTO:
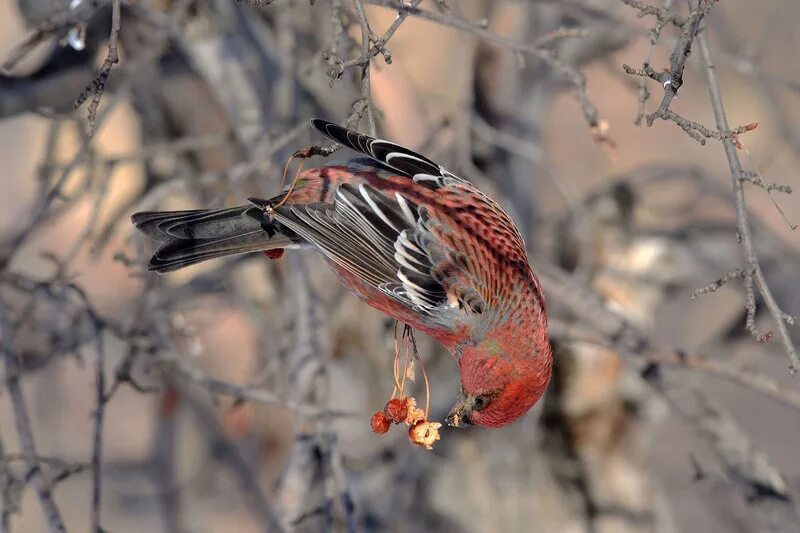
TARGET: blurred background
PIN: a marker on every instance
(236, 395)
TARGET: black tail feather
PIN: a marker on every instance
(189, 237)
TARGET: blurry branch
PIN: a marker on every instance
(12, 486)
(764, 487)
(10, 491)
(104, 175)
(230, 79)
(50, 191)
(759, 482)
(52, 89)
(173, 147)
(314, 480)
(70, 302)
(72, 19)
(101, 399)
(674, 373)
(263, 153)
(164, 457)
(98, 86)
(59, 291)
(656, 356)
(61, 469)
(750, 380)
(56, 84)
(540, 50)
(167, 359)
(615, 329)
(183, 369)
(229, 455)
(306, 407)
(42, 484)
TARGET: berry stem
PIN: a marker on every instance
(405, 372)
(410, 332)
(299, 154)
(396, 368)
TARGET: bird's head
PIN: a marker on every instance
(500, 381)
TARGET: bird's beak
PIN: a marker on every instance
(459, 415)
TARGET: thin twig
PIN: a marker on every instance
(757, 179)
(655, 34)
(718, 283)
(96, 88)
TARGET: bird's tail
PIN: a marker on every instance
(189, 237)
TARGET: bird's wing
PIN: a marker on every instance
(394, 245)
(390, 155)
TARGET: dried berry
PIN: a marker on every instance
(396, 410)
(415, 414)
(424, 433)
(379, 423)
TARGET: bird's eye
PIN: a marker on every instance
(481, 402)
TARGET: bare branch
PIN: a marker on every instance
(673, 78)
(753, 270)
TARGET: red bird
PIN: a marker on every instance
(412, 240)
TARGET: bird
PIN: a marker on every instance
(412, 240)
